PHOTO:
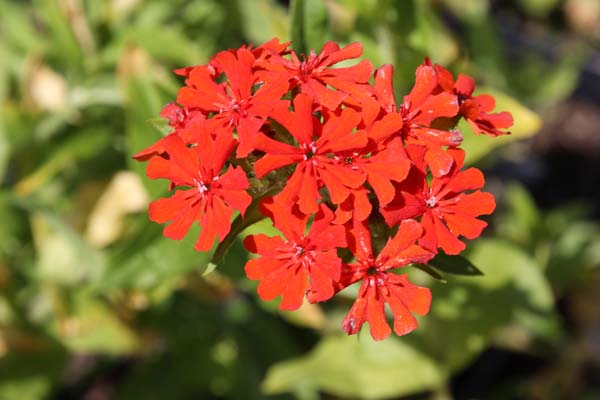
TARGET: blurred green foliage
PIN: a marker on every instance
(94, 299)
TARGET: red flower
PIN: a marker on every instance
(316, 164)
(425, 103)
(212, 197)
(313, 74)
(447, 210)
(232, 103)
(184, 122)
(287, 263)
(380, 285)
(382, 164)
(475, 109)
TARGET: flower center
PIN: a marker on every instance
(307, 66)
(202, 187)
(238, 106)
(310, 149)
(431, 202)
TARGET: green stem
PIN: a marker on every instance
(252, 216)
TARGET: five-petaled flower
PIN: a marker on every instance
(211, 196)
(287, 263)
(381, 285)
(447, 210)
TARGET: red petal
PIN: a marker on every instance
(308, 194)
(407, 234)
(321, 285)
(338, 193)
(272, 285)
(359, 73)
(206, 239)
(300, 122)
(359, 241)
(239, 200)
(380, 180)
(474, 204)
(182, 167)
(416, 298)
(345, 175)
(322, 95)
(413, 254)
(445, 78)
(247, 130)
(404, 322)
(270, 162)
(238, 68)
(446, 240)
(438, 160)
(465, 85)
(370, 109)
(296, 284)
(324, 235)
(436, 106)
(469, 179)
(337, 131)
(259, 268)
(181, 209)
(262, 244)
(384, 88)
(385, 127)
(358, 313)
(466, 226)
(429, 240)
(425, 83)
(353, 50)
(376, 316)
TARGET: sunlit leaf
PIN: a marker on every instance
(458, 264)
(62, 255)
(92, 327)
(357, 367)
(470, 311)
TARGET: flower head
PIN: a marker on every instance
(380, 285)
(448, 205)
(287, 263)
(211, 196)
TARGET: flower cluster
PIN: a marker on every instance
(359, 183)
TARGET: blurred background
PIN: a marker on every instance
(95, 304)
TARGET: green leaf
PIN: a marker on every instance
(430, 271)
(457, 264)
(431, 36)
(357, 367)
(64, 42)
(538, 8)
(526, 124)
(297, 26)
(308, 25)
(470, 312)
(31, 375)
(154, 262)
(263, 20)
(161, 125)
(171, 45)
(86, 144)
(94, 328)
(143, 102)
(63, 257)
(522, 221)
